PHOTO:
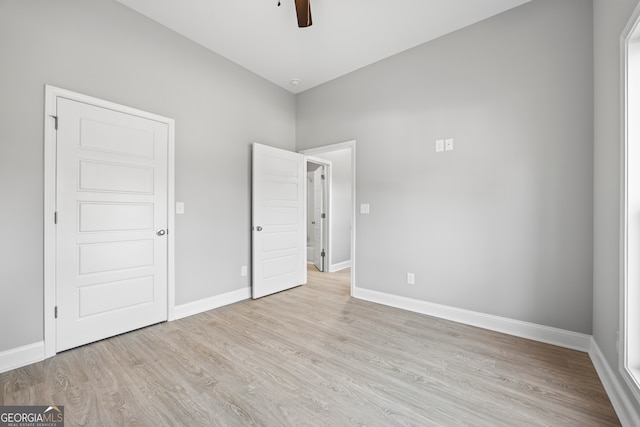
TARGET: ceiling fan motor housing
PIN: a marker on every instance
(303, 10)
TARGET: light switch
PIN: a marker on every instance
(448, 144)
(179, 208)
(364, 208)
(439, 145)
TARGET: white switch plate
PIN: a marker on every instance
(411, 278)
(243, 270)
(448, 144)
(439, 145)
(179, 208)
(364, 208)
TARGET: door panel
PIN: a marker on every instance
(111, 266)
(116, 139)
(279, 229)
(113, 256)
(115, 216)
(105, 297)
(115, 178)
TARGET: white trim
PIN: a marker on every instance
(628, 374)
(21, 356)
(339, 266)
(615, 389)
(532, 331)
(206, 304)
(51, 94)
(49, 226)
(350, 145)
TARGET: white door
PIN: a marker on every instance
(279, 227)
(111, 203)
(318, 221)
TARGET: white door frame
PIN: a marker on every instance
(51, 95)
(327, 204)
(350, 145)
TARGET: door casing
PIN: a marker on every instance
(50, 164)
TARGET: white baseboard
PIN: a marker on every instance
(200, 306)
(21, 356)
(614, 387)
(532, 331)
(339, 266)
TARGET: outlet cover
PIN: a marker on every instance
(448, 144)
(411, 278)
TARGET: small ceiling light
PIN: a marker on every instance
(294, 82)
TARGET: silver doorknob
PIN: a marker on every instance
(161, 232)
(258, 228)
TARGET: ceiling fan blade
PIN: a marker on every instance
(303, 10)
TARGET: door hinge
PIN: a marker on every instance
(322, 254)
(55, 118)
(323, 216)
(321, 176)
(55, 217)
(55, 312)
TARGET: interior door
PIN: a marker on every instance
(279, 227)
(318, 225)
(111, 203)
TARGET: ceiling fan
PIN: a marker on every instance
(303, 10)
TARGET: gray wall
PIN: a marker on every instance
(503, 224)
(610, 19)
(103, 49)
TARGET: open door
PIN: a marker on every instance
(319, 217)
(278, 220)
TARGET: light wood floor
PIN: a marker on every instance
(313, 356)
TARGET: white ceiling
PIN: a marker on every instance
(345, 35)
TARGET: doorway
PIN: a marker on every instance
(341, 239)
(279, 221)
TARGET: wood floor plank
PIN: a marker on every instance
(314, 356)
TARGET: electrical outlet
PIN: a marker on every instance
(243, 270)
(411, 278)
(439, 145)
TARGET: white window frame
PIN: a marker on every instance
(629, 339)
